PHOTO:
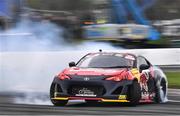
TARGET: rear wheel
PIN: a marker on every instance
(53, 91)
(134, 93)
(161, 89)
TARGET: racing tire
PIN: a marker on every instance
(91, 102)
(134, 94)
(160, 91)
(52, 95)
(59, 102)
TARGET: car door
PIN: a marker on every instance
(146, 77)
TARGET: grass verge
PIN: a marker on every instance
(173, 79)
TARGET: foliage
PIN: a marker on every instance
(173, 79)
(60, 4)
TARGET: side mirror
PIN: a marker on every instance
(72, 64)
(144, 67)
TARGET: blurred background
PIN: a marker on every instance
(35, 36)
(69, 23)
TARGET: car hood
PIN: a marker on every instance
(94, 71)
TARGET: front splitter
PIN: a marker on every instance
(95, 99)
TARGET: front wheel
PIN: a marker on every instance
(59, 102)
(53, 90)
(92, 101)
(134, 94)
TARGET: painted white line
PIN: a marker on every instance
(173, 95)
(174, 92)
(174, 101)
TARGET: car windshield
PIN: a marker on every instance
(106, 61)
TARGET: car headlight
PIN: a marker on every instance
(63, 76)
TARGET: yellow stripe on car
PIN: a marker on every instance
(60, 98)
(110, 100)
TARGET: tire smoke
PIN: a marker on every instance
(25, 52)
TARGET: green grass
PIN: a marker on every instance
(163, 40)
(173, 79)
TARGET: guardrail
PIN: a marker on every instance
(24, 70)
(170, 68)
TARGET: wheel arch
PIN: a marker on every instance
(160, 78)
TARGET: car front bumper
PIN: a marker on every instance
(105, 91)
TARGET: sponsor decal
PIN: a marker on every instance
(86, 92)
(86, 79)
(135, 73)
(122, 97)
(130, 57)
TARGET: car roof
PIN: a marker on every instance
(112, 53)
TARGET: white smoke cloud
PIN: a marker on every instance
(31, 36)
(25, 73)
(42, 36)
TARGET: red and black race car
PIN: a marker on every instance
(110, 77)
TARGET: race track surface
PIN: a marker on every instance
(7, 107)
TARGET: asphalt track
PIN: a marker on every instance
(172, 107)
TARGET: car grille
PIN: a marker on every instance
(90, 91)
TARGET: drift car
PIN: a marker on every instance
(110, 77)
